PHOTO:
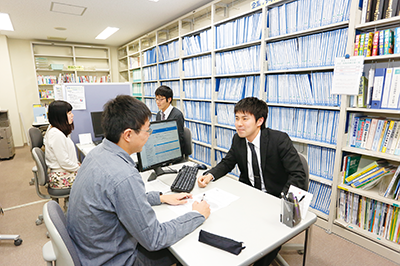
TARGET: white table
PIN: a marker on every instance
(252, 219)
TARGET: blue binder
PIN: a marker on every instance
(379, 84)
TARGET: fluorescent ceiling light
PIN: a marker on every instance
(5, 22)
(107, 33)
(153, 0)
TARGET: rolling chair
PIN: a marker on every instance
(187, 139)
(42, 179)
(16, 238)
(298, 247)
(60, 248)
(35, 139)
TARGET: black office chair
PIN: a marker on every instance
(298, 247)
(187, 139)
(35, 139)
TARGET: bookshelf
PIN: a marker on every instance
(59, 63)
(214, 89)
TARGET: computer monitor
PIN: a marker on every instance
(96, 124)
(162, 148)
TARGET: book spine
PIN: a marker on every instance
(361, 45)
(356, 45)
(381, 42)
(397, 40)
(368, 44)
(365, 133)
(375, 44)
(371, 134)
(377, 135)
(359, 133)
(388, 44)
(383, 135)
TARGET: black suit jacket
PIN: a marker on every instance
(280, 163)
(178, 116)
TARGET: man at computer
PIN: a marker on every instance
(164, 96)
(110, 218)
(266, 158)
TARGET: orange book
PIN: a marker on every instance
(375, 44)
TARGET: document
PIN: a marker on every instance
(217, 198)
(303, 197)
(347, 74)
(75, 95)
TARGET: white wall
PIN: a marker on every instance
(8, 95)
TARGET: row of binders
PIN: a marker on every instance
(149, 56)
(219, 155)
(234, 89)
(199, 111)
(168, 51)
(309, 124)
(371, 133)
(197, 89)
(225, 114)
(315, 50)
(321, 196)
(376, 43)
(151, 103)
(321, 161)
(197, 66)
(224, 137)
(201, 153)
(94, 79)
(150, 73)
(174, 86)
(373, 10)
(380, 219)
(169, 70)
(136, 89)
(150, 88)
(200, 132)
(136, 75)
(241, 30)
(306, 14)
(238, 61)
(197, 43)
(308, 89)
(380, 91)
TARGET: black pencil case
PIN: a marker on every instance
(220, 242)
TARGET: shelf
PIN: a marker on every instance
(198, 121)
(171, 79)
(226, 126)
(47, 99)
(237, 46)
(322, 107)
(368, 234)
(390, 157)
(168, 61)
(196, 100)
(371, 193)
(377, 111)
(221, 149)
(52, 55)
(197, 77)
(310, 69)
(382, 57)
(321, 180)
(226, 101)
(313, 142)
(104, 70)
(196, 55)
(319, 213)
(91, 57)
(237, 75)
(244, 14)
(394, 21)
(330, 27)
(149, 65)
(202, 143)
(195, 32)
(53, 70)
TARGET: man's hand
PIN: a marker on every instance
(175, 199)
(203, 180)
(202, 207)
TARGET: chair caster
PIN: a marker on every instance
(300, 252)
(18, 242)
(39, 220)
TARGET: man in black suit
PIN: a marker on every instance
(164, 96)
(273, 150)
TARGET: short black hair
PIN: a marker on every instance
(165, 91)
(57, 115)
(254, 106)
(122, 113)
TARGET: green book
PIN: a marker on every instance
(353, 161)
(367, 168)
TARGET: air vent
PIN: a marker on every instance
(56, 38)
(67, 9)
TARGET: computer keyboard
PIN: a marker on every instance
(185, 180)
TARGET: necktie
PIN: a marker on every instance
(256, 168)
(162, 115)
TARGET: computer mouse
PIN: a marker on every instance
(201, 166)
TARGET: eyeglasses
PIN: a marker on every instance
(160, 99)
(150, 130)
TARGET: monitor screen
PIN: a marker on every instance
(162, 147)
(96, 123)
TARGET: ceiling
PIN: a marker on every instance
(32, 19)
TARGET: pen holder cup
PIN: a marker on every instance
(290, 215)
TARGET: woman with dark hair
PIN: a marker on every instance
(60, 150)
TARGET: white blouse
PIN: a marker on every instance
(60, 151)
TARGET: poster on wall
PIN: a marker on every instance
(75, 95)
(58, 92)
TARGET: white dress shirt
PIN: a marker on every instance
(60, 151)
(168, 111)
(256, 143)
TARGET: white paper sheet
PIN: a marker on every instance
(305, 201)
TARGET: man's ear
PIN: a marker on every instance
(126, 135)
(260, 121)
(169, 100)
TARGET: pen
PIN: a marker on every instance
(203, 196)
(302, 198)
